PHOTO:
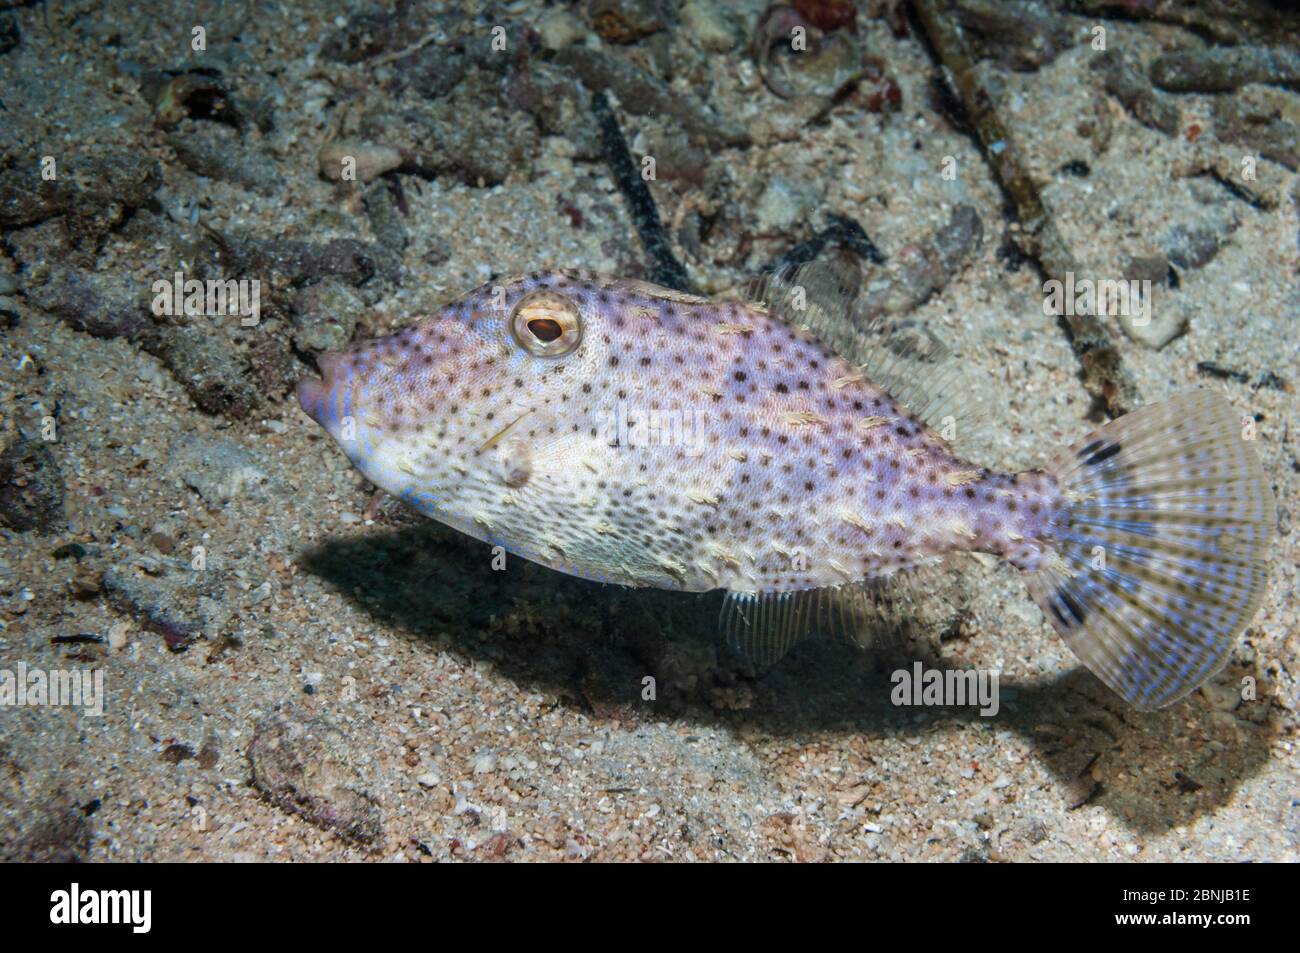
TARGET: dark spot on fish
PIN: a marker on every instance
(1091, 448)
(1076, 609)
(1102, 455)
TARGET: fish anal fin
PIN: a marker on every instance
(764, 626)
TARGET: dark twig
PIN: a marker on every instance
(81, 638)
(666, 269)
(1103, 373)
(1266, 379)
(1219, 70)
(1221, 21)
(842, 231)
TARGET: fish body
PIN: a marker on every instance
(633, 434)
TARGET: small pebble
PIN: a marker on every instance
(559, 29)
(118, 635)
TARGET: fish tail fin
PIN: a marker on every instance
(1159, 558)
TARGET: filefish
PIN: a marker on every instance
(633, 434)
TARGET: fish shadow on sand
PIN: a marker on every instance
(591, 646)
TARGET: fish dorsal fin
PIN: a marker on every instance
(898, 354)
(818, 297)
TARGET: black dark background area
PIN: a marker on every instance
(310, 904)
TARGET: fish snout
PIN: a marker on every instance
(320, 398)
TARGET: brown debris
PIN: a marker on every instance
(1019, 36)
(169, 606)
(475, 132)
(1222, 21)
(289, 261)
(31, 486)
(364, 159)
(925, 269)
(214, 150)
(1223, 69)
(202, 94)
(625, 21)
(102, 186)
(176, 753)
(1261, 193)
(1103, 373)
(1260, 127)
(813, 78)
(369, 34)
(61, 832)
(89, 304)
(639, 92)
(325, 315)
(307, 768)
(829, 14)
(1132, 88)
(216, 379)
(1084, 786)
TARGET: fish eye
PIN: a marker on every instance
(545, 329)
(546, 324)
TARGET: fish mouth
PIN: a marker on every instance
(320, 398)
